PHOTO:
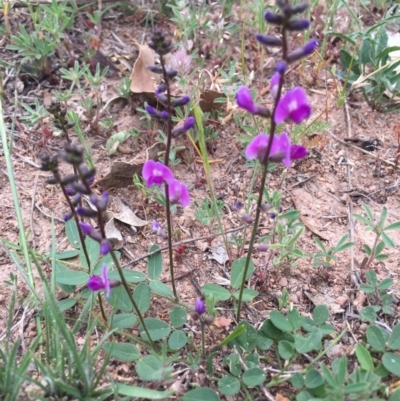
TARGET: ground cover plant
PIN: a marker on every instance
(210, 220)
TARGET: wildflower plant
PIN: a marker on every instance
(291, 106)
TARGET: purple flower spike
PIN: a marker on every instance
(97, 283)
(178, 193)
(293, 106)
(199, 306)
(274, 85)
(156, 173)
(245, 100)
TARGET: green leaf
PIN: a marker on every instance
(320, 314)
(385, 284)
(313, 379)
(159, 287)
(290, 215)
(122, 351)
(285, 349)
(371, 277)
(229, 385)
(379, 248)
(142, 297)
(237, 271)
(368, 314)
(177, 340)
(252, 360)
(368, 212)
(310, 342)
(253, 377)
(248, 294)
(360, 218)
(367, 288)
(157, 329)
(394, 340)
(395, 396)
(297, 380)
(393, 226)
(376, 338)
(247, 340)
(177, 316)
(119, 299)
(263, 343)
(201, 394)
(123, 321)
(71, 277)
(271, 331)
(72, 233)
(66, 304)
(93, 250)
(150, 368)
(141, 392)
(364, 357)
(295, 319)
(220, 293)
(131, 276)
(387, 240)
(391, 362)
(381, 371)
(67, 254)
(304, 396)
(154, 265)
(279, 321)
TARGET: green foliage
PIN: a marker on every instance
(206, 213)
(326, 256)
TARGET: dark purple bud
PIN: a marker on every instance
(79, 187)
(90, 180)
(262, 248)
(68, 216)
(208, 320)
(302, 52)
(183, 126)
(272, 215)
(274, 18)
(164, 115)
(49, 163)
(51, 181)
(161, 88)
(152, 111)
(180, 101)
(105, 246)
(70, 191)
(102, 201)
(262, 111)
(76, 199)
(86, 173)
(162, 98)
(246, 218)
(298, 25)
(84, 212)
(199, 306)
(238, 205)
(171, 73)
(281, 67)
(86, 228)
(265, 207)
(157, 69)
(68, 179)
(114, 283)
(269, 40)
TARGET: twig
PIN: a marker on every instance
(303, 181)
(266, 393)
(48, 215)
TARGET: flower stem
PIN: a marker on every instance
(203, 340)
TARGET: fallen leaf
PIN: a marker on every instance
(218, 253)
(222, 321)
(207, 100)
(124, 214)
(112, 233)
(120, 175)
(142, 79)
(281, 397)
(324, 299)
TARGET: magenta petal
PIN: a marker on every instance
(244, 99)
(281, 148)
(300, 114)
(257, 148)
(95, 283)
(156, 172)
(282, 110)
(148, 169)
(184, 200)
(298, 152)
(106, 281)
(274, 85)
(178, 193)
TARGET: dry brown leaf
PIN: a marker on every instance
(281, 398)
(143, 80)
(222, 321)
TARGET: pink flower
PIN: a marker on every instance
(293, 106)
(245, 101)
(281, 150)
(97, 283)
(178, 193)
(274, 85)
(180, 61)
(156, 173)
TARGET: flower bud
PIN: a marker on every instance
(246, 218)
(183, 126)
(51, 181)
(302, 52)
(90, 231)
(265, 207)
(299, 8)
(274, 18)
(269, 40)
(199, 306)
(161, 88)
(262, 248)
(208, 320)
(76, 199)
(114, 283)
(79, 187)
(180, 101)
(68, 179)
(101, 202)
(156, 69)
(70, 191)
(298, 25)
(162, 98)
(84, 212)
(105, 246)
(262, 111)
(68, 216)
(281, 67)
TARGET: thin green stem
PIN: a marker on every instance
(134, 304)
(372, 256)
(203, 339)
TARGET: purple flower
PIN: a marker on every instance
(181, 101)
(105, 246)
(245, 101)
(156, 173)
(274, 85)
(183, 126)
(302, 51)
(293, 106)
(157, 114)
(281, 149)
(90, 231)
(101, 202)
(178, 193)
(246, 218)
(96, 283)
(199, 306)
(298, 25)
(269, 40)
(281, 67)
(157, 229)
(85, 212)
